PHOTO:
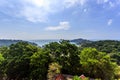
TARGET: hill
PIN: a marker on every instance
(80, 41)
(108, 46)
(6, 42)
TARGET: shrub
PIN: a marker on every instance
(54, 68)
(76, 78)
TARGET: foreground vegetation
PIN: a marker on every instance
(24, 61)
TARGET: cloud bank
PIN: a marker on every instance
(36, 10)
(62, 26)
(40, 10)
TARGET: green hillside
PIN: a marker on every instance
(6, 42)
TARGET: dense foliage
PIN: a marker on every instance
(24, 61)
(65, 54)
(107, 46)
(111, 47)
(97, 64)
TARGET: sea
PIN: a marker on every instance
(43, 42)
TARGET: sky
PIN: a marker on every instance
(59, 19)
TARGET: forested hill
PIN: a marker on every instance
(80, 41)
(108, 46)
(111, 47)
(6, 42)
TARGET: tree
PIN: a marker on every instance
(17, 63)
(39, 65)
(1, 64)
(1, 59)
(53, 49)
(116, 57)
(97, 64)
(66, 54)
(54, 68)
(108, 46)
(117, 73)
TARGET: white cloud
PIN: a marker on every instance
(62, 26)
(82, 2)
(109, 22)
(36, 10)
(111, 4)
(106, 1)
(70, 3)
(102, 1)
(84, 10)
(40, 10)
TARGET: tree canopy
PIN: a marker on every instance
(97, 64)
(24, 61)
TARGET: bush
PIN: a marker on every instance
(54, 68)
(117, 74)
(76, 78)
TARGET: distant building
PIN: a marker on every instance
(82, 77)
(60, 77)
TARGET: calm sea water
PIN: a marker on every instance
(43, 42)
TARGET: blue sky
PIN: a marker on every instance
(59, 19)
